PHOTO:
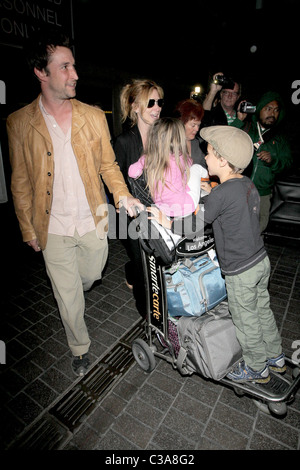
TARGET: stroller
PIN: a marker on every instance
(217, 349)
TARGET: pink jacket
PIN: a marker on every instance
(174, 199)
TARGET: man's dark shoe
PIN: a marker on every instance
(80, 364)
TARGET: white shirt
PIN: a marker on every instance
(70, 209)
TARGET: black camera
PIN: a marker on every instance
(246, 107)
(224, 82)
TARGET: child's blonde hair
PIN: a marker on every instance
(166, 136)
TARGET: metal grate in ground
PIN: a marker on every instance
(81, 400)
(55, 426)
(46, 434)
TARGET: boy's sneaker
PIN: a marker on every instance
(80, 364)
(277, 364)
(243, 373)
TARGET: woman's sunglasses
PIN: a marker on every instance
(152, 102)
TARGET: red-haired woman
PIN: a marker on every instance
(191, 112)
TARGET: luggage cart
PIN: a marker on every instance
(271, 398)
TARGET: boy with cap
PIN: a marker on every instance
(233, 210)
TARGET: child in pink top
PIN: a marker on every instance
(173, 180)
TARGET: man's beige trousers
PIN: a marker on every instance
(73, 264)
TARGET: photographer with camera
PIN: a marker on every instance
(220, 104)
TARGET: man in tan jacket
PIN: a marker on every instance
(60, 151)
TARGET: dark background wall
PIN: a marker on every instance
(179, 45)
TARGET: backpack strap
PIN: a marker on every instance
(181, 360)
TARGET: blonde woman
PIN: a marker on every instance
(141, 104)
(173, 181)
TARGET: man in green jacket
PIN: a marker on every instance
(272, 152)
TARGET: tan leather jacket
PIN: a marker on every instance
(31, 156)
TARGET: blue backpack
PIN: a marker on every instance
(194, 286)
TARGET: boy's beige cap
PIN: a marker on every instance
(231, 143)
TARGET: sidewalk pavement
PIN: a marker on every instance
(117, 406)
